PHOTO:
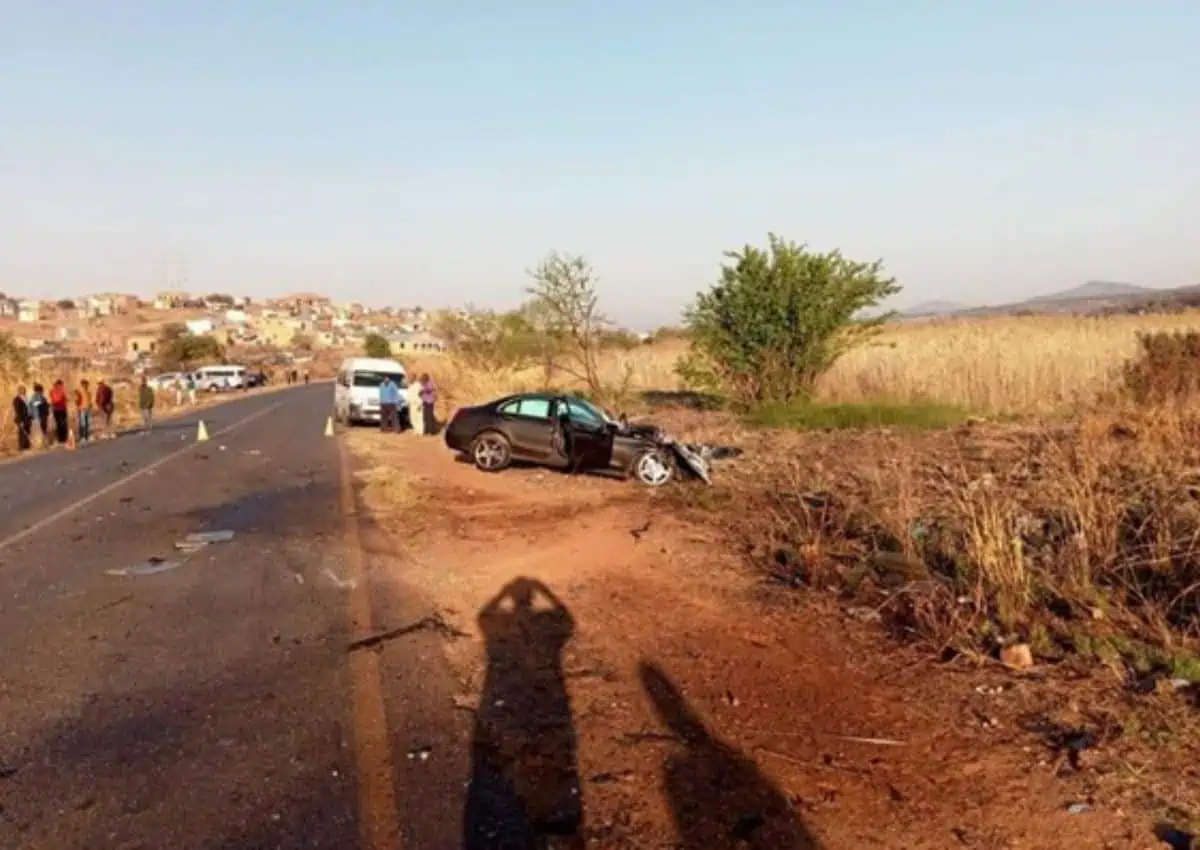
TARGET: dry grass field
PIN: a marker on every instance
(1030, 365)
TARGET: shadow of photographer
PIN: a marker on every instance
(718, 797)
(525, 790)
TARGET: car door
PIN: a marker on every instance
(590, 437)
(529, 427)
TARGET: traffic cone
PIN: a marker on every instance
(201, 432)
(329, 426)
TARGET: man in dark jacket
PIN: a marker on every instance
(104, 401)
(23, 419)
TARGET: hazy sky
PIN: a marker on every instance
(409, 152)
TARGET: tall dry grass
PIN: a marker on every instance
(1026, 365)
(1019, 365)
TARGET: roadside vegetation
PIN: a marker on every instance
(980, 483)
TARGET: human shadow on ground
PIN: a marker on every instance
(525, 791)
(718, 797)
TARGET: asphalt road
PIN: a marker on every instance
(217, 704)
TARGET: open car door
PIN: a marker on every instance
(587, 438)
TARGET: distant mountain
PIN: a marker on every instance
(1092, 298)
(933, 308)
(1094, 289)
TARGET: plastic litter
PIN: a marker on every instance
(203, 538)
(152, 567)
(1078, 809)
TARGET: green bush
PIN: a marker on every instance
(778, 319)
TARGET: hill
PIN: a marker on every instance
(1091, 298)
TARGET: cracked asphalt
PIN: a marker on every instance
(215, 704)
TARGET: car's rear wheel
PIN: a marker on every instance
(653, 467)
(491, 451)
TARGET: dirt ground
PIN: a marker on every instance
(699, 707)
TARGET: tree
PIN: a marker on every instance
(65, 304)
(376, 345)
(13, 362)
(180, 352)
(566, 310)
(778, 319)
(302, 342)
(490, 341)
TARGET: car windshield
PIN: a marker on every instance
(585, 411)
(374, 379)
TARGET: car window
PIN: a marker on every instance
(584, 414)
(374, 379)
(528, 408)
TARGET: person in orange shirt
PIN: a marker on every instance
(83, 411)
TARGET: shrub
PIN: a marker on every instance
(778, 319)
(1166, 368)
(376, 346)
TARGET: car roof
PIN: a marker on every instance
(373, 364)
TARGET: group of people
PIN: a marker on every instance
(422, 396)
(50, 414)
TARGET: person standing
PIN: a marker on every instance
(23, 420)
(428, 400)
(104, 401)
(413, 409)
(191, 388)
(58, 409)
(83, 411)
(389, 402)
(39, 407)
(146, 404)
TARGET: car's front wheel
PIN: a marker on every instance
(653, 467)
(491, 451)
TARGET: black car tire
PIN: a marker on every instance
(653, 467)
(491, 451)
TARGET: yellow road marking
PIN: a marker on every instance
(379, 822)
(121, 482)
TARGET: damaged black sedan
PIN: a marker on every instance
(570, 433)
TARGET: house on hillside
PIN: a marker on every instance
(29, 311)
(303, 303)
(140, 344)
(200, 327)
(9, 307)
(417, 342)
(171, 300)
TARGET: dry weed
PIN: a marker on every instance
(979, 533)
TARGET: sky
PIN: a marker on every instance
(417, 153)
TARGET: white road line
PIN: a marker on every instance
(120, 482)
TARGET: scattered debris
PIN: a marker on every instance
(1018, 656)
(1079, 808)
(421, 753)
(253, 452)
(152, 566)
(880, 742)
(107, 605)
(1175, 839)
(7, 772)
(434, 622)
(990, 690)
(640, 530)
(206, 537)
(339, 583)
